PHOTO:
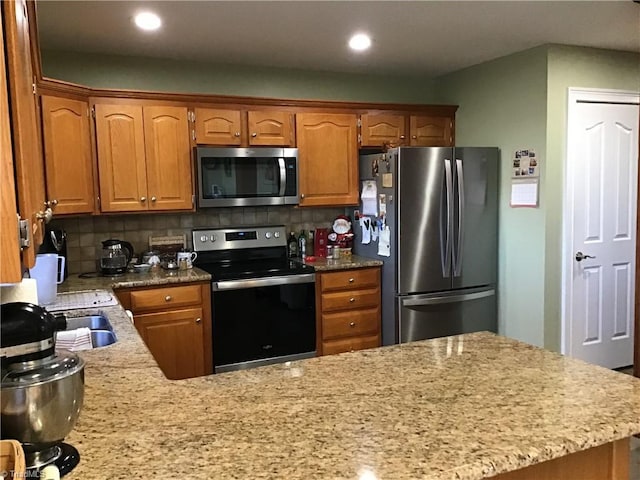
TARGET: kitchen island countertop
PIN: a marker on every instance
(465, 408)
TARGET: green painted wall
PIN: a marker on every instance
(503, 103)
(583, 68)
(136, 73)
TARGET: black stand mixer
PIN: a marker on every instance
(42, 391)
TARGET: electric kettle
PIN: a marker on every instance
(115, 256)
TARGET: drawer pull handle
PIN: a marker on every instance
(352, 324)
(351, 300)
(198, 320)
(167, 298)
(351, 280)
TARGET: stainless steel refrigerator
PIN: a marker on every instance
(442, 212)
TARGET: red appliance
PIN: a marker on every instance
(320, 241)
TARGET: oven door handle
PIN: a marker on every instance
(263, 282)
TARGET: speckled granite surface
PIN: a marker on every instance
(463, 408)
(354, 261)
(130, 280)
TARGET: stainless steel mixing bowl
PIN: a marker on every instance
(41, 401)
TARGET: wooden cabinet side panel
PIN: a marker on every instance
(10, 267)
(168, 158)
(121, 157)
(328, 156)
(29, 167)
(218, 127)
(67, 154)
(270, 128)
(175, 339)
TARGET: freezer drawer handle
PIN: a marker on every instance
(429, 300)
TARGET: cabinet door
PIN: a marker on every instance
(29, 166)
(121, 158)
(431, 131)
(10, 269)
(328, 158)
(168, 157)
(378, 129)
(67, 154)
(271, 129)
(218, 127)
(176, 340)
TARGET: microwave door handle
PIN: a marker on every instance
(283, 176)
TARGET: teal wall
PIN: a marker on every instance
(581, 68)
(503, 103)
(136, 73)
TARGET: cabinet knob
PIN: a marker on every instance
(143, 199)
(254, 134)
(153, 199)
(237, 134)
(414, 136)
(351, 280)
(302, 195)
(198, 320)
(51, 203)
(352, 324)
(351, 300)
(402, 137)
(167, 298)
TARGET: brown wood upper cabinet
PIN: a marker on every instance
(328, 158)
(226, 127)
(67, 154)
(378, 129)
(427, 131)
(25, 128)
(144, 158)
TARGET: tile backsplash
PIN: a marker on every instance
(85, 234)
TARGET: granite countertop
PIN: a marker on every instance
(353, 261)
(464, 408)
(131, 280)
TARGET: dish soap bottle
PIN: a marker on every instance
(302, 244)
(292, 246)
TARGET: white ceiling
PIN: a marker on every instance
(409, 37)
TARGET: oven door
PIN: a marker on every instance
(263, 321)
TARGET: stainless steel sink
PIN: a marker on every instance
(101, 329)
(93, 322)
(102, 338)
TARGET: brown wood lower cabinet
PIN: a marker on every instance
(347, 310)
(175, 324)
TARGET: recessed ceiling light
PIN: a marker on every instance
(360, 42)
(148, 21)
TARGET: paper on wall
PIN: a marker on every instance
(384, 245)
(369, 197)
(524, 193)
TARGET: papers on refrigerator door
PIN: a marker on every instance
(384, 245)
(369, 197)
(365, 225)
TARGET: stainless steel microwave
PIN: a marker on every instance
(237, 177)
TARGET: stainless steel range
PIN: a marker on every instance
(263, 303)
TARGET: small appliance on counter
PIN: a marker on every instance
(55, 241)
(115, 256)
(42, 390)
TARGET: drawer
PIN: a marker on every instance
(361, 278)
(350, 323)
(350, 344)
(165, 298)
(350, 300)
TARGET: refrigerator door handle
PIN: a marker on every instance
(446, 260)
(424, 300)
(458, 254)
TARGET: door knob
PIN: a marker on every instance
(581, 256)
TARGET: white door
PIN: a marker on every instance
(600, 231)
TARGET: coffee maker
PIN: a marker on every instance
(42, 390)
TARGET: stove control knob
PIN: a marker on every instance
(203, 238)
(267, 235)
(276, 234)
(213, 238)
